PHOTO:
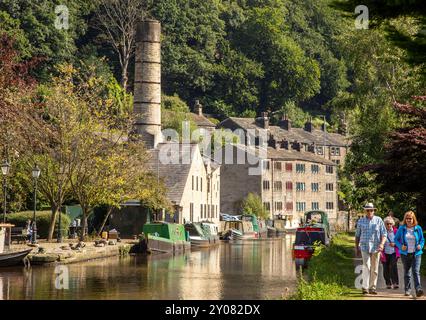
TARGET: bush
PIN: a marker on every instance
(19, 219)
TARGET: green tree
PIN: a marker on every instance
(253, 205)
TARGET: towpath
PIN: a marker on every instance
(391, 294)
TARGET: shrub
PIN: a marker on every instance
(19, 219)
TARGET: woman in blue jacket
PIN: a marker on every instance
(410, 242)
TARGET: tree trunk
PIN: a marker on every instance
(124, 78)
(83, 225)
(52, 222)
(105, 220)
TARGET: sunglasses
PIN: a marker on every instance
(409, 219)
(388, 224)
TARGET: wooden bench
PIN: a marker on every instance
(19, 234)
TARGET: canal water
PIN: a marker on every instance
(253, 269)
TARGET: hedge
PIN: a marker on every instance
(19, 219)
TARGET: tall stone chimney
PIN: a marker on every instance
(147, 88)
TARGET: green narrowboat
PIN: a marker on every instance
(259, 226)
(165, 237)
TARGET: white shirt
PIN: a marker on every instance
(411, 240)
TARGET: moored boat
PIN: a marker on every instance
(237, 230)
(259, 226)
(165, 237)
(7, 257)
(13, 258)
(200, 236)
(315, 230)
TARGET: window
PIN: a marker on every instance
(335, 151)
(201, 184)
(201, 211)
(329, 169)
(300, 186)
(289, 185)
(315, 206)
(315, 186)
(265, 164)
(336, 161)
(300, 206)
(266, 185)
(192, 184)
(320, 150)
(300, 168)
(267, 206)
(329, 205)
(289, 167)
(279, 206)
(205, 211)
(278, 186)
(277, 165)
(315, 168)
(329, 187)
(197, 183)
(289, 206)
(191, 212)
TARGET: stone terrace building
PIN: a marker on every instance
(193, 183)
(291, 183)
(331, 146)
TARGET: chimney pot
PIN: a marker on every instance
(285, 123)
(308, 125)
(198, 108)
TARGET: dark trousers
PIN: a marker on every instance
(411, 267)
(390, 270)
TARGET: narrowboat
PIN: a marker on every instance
(259, 226)
(165, 237)
(315, 231)
(237, 230)
(200, 236)
(212, 230)
(272, 231)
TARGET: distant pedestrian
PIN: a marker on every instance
(29, 230)
(390, 255)
(370, 239)
(410, 242)
(395, 219)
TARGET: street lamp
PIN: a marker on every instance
(5, 167)
(59, 234)
(36, 173)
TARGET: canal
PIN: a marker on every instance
(257, 269)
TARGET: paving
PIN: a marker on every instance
(392, 294)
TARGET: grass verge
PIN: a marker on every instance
(330, 274)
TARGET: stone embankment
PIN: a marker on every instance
(45, 253)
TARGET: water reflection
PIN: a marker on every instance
(242, 270)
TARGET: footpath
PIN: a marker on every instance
(391, 294)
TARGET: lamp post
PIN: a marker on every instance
(5, 167)
(36, 174)
(59, 235)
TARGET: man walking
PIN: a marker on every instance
(370, 239)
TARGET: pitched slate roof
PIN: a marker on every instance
(287, 155)
(299, 134)
(174, 175)
(201, 120)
